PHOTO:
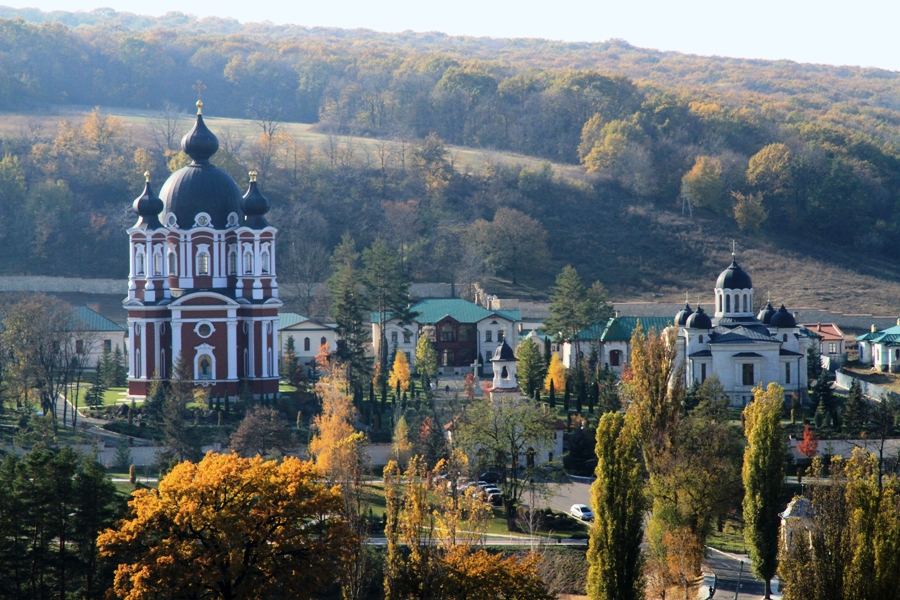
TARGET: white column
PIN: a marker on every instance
(232, 348)
(176, 338)
(251, 346)
(144, 374)
(276, 350)
(265, 348)
(131, 354)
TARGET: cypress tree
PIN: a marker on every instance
(763, 475)
(566, 397)
(552, 396)
(618, 504)
(593, 397)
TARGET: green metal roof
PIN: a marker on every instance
(619, 329)
(891, 334)
(433, 310)
(288, 319)
(94, 321)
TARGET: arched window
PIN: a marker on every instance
(157, 264)
(203, 263)
(504, 373)
(322, 341)
(248, 262)
(615, 358)
(306, 345)
(728, 304)
(271, 364)
(745, 304)
(700, 339)
(173, 265)
(737, 303)
(784, 338)
(139, 262)
(719, 298)
(137, 364)
(264, 262)
(232, 262)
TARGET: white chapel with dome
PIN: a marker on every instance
(741, 349)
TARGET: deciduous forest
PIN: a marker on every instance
(771, 151)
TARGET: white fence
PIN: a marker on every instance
(875, 392)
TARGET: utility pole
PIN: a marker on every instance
(740, 573)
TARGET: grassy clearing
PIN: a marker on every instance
(110, 397)
(731, 539)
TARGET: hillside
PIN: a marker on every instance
(432, 141)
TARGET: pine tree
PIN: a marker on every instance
(106, 369)
(180, 440)
(348, 307)
(552, 395)
(119, 370)
(763, 476)
(291, 364)
(856, 409)
(573, 307)
(93, 397)
(618, 504)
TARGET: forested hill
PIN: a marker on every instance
(800, 160)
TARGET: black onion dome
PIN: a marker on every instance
(504, 352)
(148, 206)
(782, 319)
(201, 187)
(255, 205)
(699, 320)
(682, 316)
(766, 314)
(200, 143)
(734, 278)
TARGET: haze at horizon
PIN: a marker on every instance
(817, 32)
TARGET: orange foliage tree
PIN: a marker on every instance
(809, 447)
(229, 528)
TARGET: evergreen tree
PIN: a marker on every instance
(608, 391)
(531, 368)
(547, 351)
(856, 409)
(291, 364)
(348, 308)
(156, 399)
(119, 370)
(387, 288)
(180, 440)
(813, 362)
(93, 397)
(617, 501)
(822, 395)
(763, 476)
(106, 369)
(566, 397)
(552, 395)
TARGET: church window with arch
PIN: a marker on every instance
(173, 263)
(203, 263)
(157, 264)
(728, 304)
(139, 267)
(264, 262)
(248, 262)
(306, 344)
(232, 261)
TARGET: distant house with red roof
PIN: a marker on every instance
(831, 343)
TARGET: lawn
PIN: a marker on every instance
(110, 397)
(731, 539)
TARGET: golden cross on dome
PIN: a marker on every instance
(147, 176)
(199, 87)
(252, 176)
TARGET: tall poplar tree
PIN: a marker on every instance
(426, 361)
(348, 308)
(763, 474)
(617, 500)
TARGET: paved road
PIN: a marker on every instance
(729, 572)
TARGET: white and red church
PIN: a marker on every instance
(202, 281)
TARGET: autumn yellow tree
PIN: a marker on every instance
(481, 575)
(702, 185)
(230, 528)
(556, 373)
(334, 425)
(399, 376)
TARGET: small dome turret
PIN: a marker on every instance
(766, 314)
(783, 319)
(503, 353)
(255, 205)
(682, 316)
(148, 206)
(200, 143)
(699, 320)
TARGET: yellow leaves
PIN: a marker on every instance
(334, 424)
(399, 372)
(556, 373)
(480, 575)
(230, 523)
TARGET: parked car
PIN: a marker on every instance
(490, 477)
(582, 512)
